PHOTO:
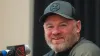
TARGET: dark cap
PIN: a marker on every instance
(62, 8)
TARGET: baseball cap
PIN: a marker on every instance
(62, 8)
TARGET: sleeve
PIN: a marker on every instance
(88, 54)
(87, 50)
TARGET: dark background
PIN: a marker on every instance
(87, 10)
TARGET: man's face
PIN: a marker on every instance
(61, 33)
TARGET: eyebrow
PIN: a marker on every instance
(48, 24)
(59, 23)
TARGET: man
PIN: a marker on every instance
(62, 32)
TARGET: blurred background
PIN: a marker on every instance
(16, 23)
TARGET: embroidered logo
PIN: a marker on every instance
(55, 7)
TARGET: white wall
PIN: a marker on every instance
(15, 22)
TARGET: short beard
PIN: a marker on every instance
(58, 48)
(73, 38)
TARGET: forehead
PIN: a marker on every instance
(56, 18)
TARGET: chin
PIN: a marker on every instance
(59, 47)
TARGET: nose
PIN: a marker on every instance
(55, 31)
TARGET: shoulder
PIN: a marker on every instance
(86, 47)
(50, 53)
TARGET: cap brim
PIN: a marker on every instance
(43, 17)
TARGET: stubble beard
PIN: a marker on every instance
(69, 41)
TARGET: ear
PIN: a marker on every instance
(78, 25)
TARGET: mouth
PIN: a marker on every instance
(57, 40)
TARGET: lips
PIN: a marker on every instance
(57, 40)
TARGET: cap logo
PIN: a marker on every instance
(55, 7)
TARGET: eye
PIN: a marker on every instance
(49, 26)
(63, 24)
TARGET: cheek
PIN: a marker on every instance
(48, 34)
(66, 31)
